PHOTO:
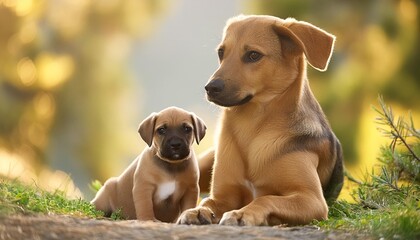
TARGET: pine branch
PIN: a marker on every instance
(389, 179)
(398, 132)
(351, 178)
(414, 132)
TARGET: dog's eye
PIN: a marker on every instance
(187, 129)
(161, 131)
(252, 56)
(220, 52)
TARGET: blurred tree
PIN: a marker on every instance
(63, 80)
(377, 51)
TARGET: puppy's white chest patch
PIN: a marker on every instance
(165, 190)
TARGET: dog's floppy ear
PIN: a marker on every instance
(147, 128)
(199, 127)
(316, 44)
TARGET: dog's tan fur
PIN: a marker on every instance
(154, 187)
(276, 159)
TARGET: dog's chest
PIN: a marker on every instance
(259, 146)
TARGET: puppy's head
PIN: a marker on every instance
(171, 132)
(260, 56)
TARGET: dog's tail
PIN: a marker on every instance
(335, 184)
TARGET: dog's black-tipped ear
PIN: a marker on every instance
(147, 128)
(199, 128)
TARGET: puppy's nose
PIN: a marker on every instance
(214, 87)
(175, 144)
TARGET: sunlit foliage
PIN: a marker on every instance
(64, 81)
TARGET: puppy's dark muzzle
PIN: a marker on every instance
(175, 148)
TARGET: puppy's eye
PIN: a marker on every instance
(220, 52)
(187, 129)
(161, 131)
(252, 56)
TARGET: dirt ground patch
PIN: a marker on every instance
(65, 227)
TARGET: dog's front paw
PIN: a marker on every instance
(243, 218)
(197, 216)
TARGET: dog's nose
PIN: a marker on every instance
(214, 87)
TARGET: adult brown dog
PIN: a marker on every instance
(162, 181)
(276, 158)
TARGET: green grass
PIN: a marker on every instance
(17, 198)
(397, 221)
(384, 207)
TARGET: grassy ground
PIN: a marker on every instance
(387, 203)
(16, 198)
(394, 221)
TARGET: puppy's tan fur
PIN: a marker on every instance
(154, 187)
(276, 159)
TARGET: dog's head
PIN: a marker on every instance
(172, 132)
(260, 56)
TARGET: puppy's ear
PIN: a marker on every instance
(147, 128)
(316, 44)
(199, 127)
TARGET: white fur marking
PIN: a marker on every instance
(251, 188)
(165, 190)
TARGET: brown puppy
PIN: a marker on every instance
(163, 180)
(276, 158)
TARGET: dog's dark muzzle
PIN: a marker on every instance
(175, 148)
(214, 88)
(218, 93)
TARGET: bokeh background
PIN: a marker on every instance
(77, 76)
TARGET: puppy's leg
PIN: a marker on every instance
(228, 191)
(143, 200)
(105, 197)
(190, 198)
(298, 201)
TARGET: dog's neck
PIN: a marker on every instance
(291, 100)
(171, 166)
(302, 105)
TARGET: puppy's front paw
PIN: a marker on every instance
(243, 218)
(197, 216)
